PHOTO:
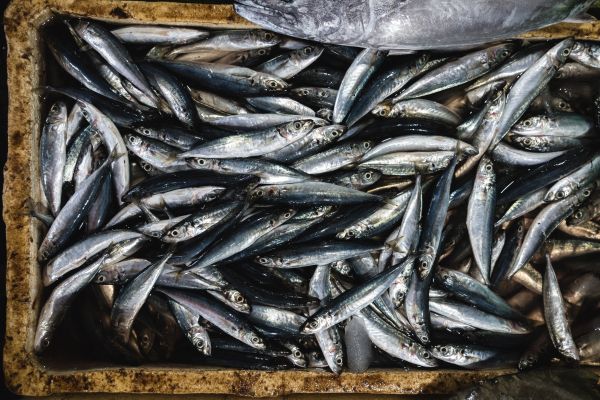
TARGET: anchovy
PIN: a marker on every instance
(544, 223)
(288, 65)
(556, 315)
(455, 73)
(53, 154)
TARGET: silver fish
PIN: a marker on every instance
(53, 154)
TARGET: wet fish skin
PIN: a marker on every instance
(132, 297)
(109, 48)
(53, 154)
(352, 23)
(480, 215)
(586, 53)
(149, 34)
(556, 316)
(337, 157)
(226, 79)
(455, 73)
(253, 143)
(194, 332)
(560, 124)
(318, 138)
(288, 65)
(355, 79)
(351, 301)
(570, 184)
(311, 193)
(542, 226)
(531, 83)
(227, 320)
(325, 253)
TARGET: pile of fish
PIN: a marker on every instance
(244, 199)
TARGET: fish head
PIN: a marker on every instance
(198, 338)
(333, 132)
(264, 37)
(294, 17)
(558, 54)
(281, 218)
(360, 148)
(498, 54)
(307, 53)
(43, 337)
(147, 131)
(447, 352)
(367, 177)
(383, 109)
(560, 104)
(446, 277)
(297, 128)
(313, 325)
(425, 356)
(148, 168)
(269, 261)
(237, 300)
(304, 92)
(133, 142)
(485, 172)
(352, 232)
(580, 215)
(251, 338)
(57, 113)
(270, 83)
(296, 356)
(531, 125)
(179, 232)
(265, 193)
(325, 113)
(204, 164)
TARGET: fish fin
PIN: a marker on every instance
(149, 215)
(580, 19)
(38, 211)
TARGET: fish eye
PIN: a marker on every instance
(146, 131)
(262, 52)
(351, 233)
(368, 175)
(505, 53)
(273, 84)
(201, 161)
(268, 36)
(297, 353)
(45, 342)
(366, 145)
(155, 234)
(527, 123)
(308, 50)
(444, 350)
(426, 355)
(339, 361)
(566, 52)
(489, 167)
(527, 141)
(297, 125)
(174, 232)
(54, 108)
(578, 214)
(587, 192)
(424, 338)
(259, 193)
(287, 215)
(520, 228)
(423, 264)
(562, 105)
(304, 92)
(101, 278)
(255, 339)
(211, 196)
(561, 194)
(263, 260)
(382, 112)
(200, 343)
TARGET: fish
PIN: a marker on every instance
(406, 26)
(53, 155)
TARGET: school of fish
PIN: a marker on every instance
(245, 199)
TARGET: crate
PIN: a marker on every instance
(25, 373)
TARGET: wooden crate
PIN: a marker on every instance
(25, 373)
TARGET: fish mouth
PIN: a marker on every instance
(262, 15)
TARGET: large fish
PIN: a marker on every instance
(408, 24)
